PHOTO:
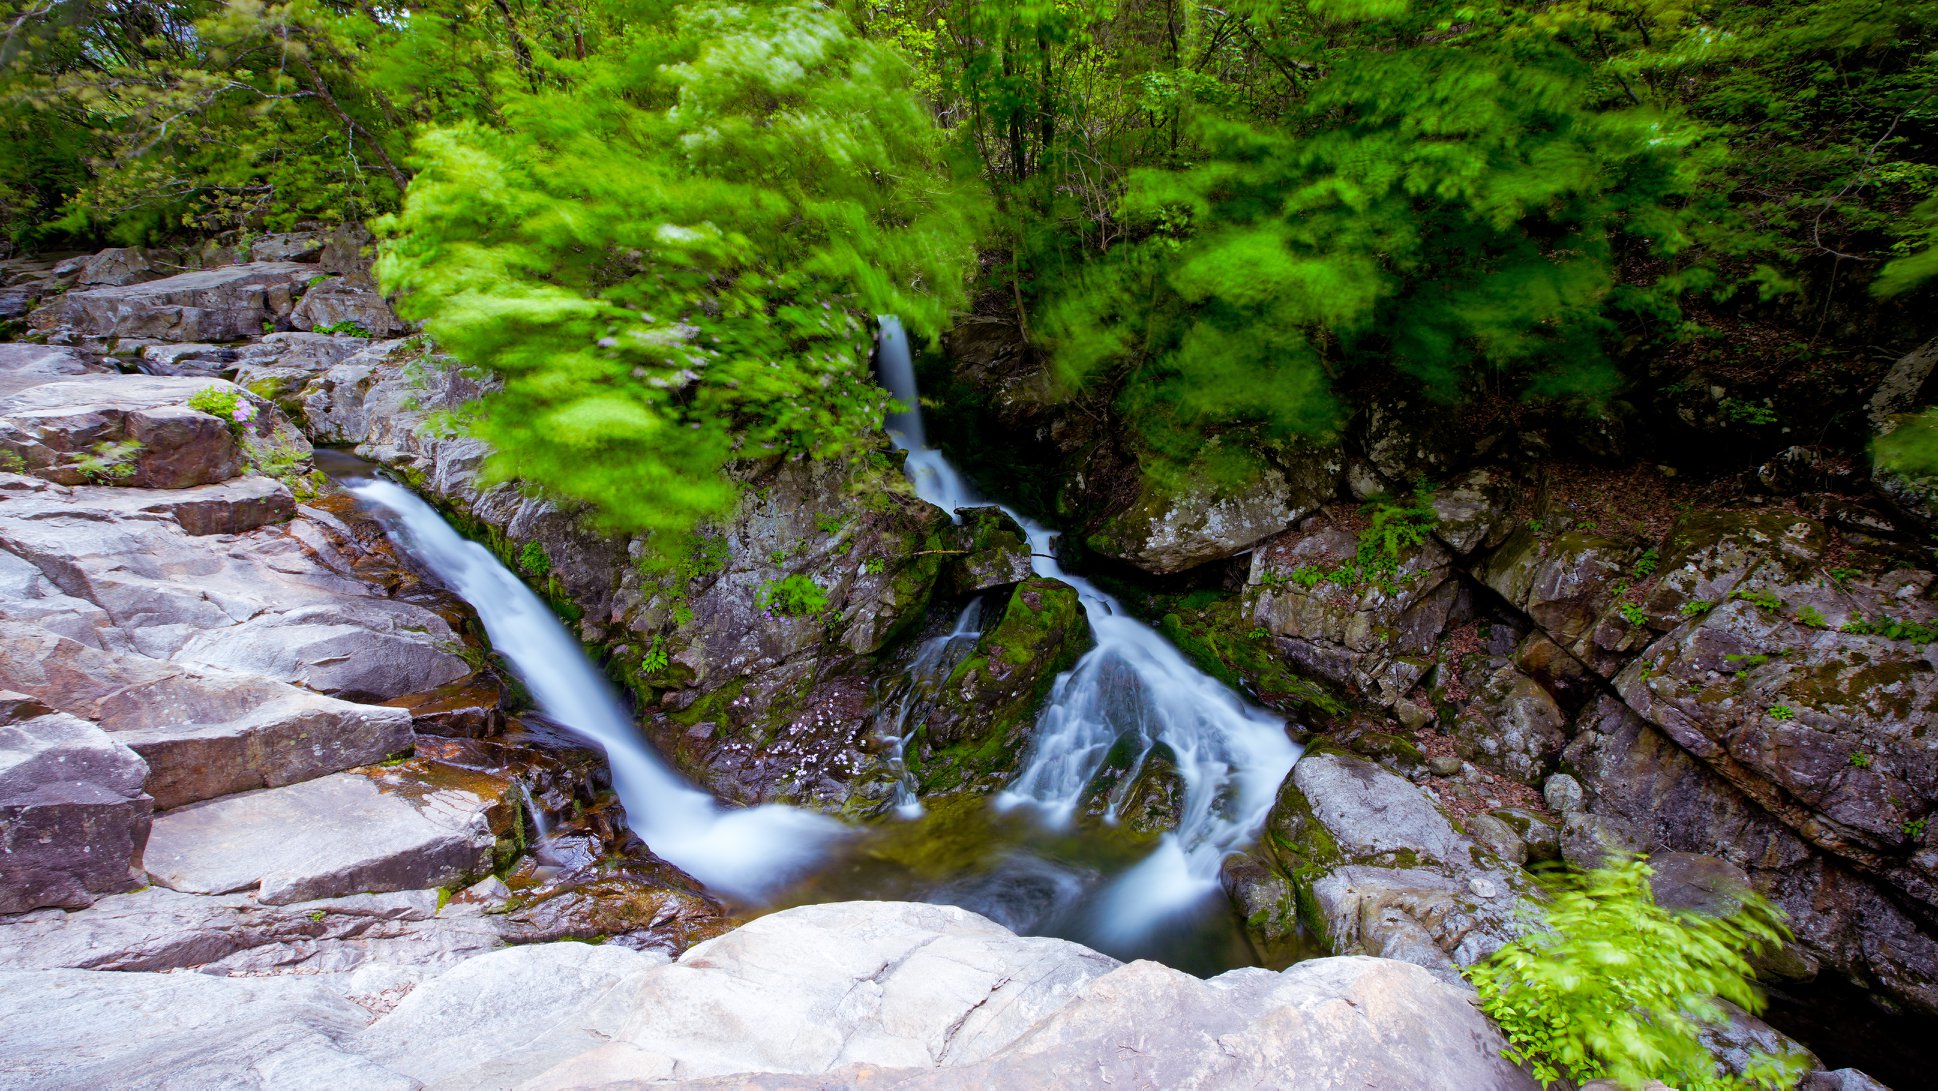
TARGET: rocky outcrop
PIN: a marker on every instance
(975, 726)
(1378, 868)
(324, 837)
(1225, 501)
(756, 655)
(339, 306)
(1369, 632)
(221, 304)
(890, 994)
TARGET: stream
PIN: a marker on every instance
(1024, 858)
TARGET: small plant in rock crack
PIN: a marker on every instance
(1766, 600)
(793, 596)
(1696, 607)
(534, 561)
(345, 328)
(230, 406)
(656, 658)
(1811, 616)
(1632, 613)
(873, 566)
(1915, 828)
(1645, 565)
(1860, 760)
(109, 462)
(1782, 712)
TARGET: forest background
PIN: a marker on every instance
(1223, 225)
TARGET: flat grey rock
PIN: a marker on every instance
(89, 1029)
(227, 303)
(336, 835)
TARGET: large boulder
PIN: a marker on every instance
(337, 306)
(1659, 799)
(1221, 504)
(974, 725)
(1372, 633)
(24, 365)
(124, 265)
(72, 810)
(222, 304)
(1379, 868)
(904, 995)
(1823, 728)
(131, 430)
(158, 929)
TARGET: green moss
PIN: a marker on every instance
(1216, 634)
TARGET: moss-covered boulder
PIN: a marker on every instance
(978, 726)
(988, 549)
(1379, 868)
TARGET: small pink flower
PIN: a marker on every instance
(245, 412)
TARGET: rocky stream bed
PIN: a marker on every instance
(276, 811)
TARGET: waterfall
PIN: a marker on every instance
(1132, 685)
(744, 853)
(933, 661)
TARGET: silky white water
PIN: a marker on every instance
(1133, 684)
(745, 853)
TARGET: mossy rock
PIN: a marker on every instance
(1214, 631)
(979, 725)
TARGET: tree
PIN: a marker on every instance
(662, 253)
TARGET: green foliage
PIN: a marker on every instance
(664, 256)
(1632, 613)
(656, 658)
(346, 328)
(1917, 632)
(793, 596)
(1645, 565)
(1911, 448)
(1695, 607)
(1811, 616)
(1614, 986)
(1915, 828)
(227, 405)
(1860, 760)
(1747, 412)
(1764, 599)
(534, 561)
(1782, 712)
(109, 462)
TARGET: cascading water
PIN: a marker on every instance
(933, 661)
(1134, 686)
(744, 853)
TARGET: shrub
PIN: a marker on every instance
(1614, 986)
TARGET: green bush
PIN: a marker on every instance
(793, 596)
(1614, 986)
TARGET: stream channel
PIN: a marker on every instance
(1022, 858)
